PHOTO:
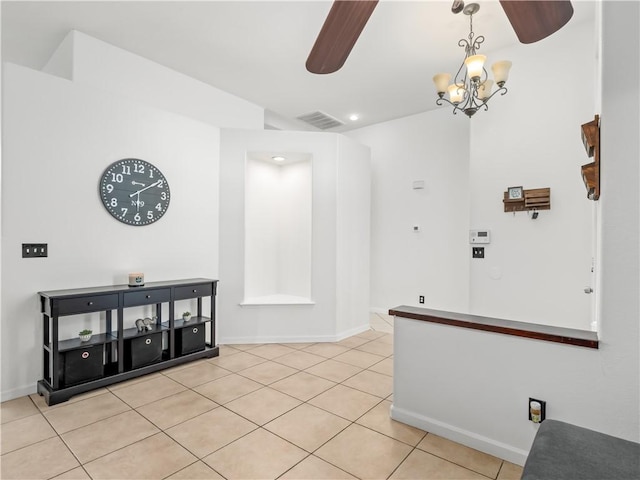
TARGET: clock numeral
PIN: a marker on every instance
(150, 215)
(151, 173)
(137, 217)
(160, 183)
(126, 169)
(137, 168)
(109, 188)
(163, 196)
(117, 177)
(114, 202)
(124, 211)
(159, 207)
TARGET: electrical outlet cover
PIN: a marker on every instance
(543, 408)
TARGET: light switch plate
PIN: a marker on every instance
(35, 250)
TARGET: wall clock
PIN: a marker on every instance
(134, 191)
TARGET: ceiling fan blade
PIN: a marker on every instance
(534, 20)
(338, 35)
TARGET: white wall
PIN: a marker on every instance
(261, 229)
(619, 274)
(467, 164)
(473, 386)
(280, 323)
(295, 224)
(353, 232)
(432, 147)
(277, 230)
(113, 69)
(62, 134)
(58, 137)
(536, 270)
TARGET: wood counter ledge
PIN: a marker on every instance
(569, 336)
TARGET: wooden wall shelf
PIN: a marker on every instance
(590, 133)
(534, 199)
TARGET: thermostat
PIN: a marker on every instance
(479, 236)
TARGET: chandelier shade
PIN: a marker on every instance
(471, 86)
(501, 71)
(475, 66)
(457, 93)
(442, 81)
(484, 90)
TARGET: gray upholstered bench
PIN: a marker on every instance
(562, 451)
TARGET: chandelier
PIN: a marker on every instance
(471, 87)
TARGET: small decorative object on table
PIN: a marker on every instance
(136, 279)
(145, 324)
(186, 316)
(85, 335)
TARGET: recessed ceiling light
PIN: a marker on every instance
(353, 117)
(278, 158)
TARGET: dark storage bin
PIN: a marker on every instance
(81, 365)
(190, 339)
(143, 350)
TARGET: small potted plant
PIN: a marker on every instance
(85, 335)
(186, 316)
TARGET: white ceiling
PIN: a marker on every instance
(257, 50)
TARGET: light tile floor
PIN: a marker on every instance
(289, 411)
(381, 322)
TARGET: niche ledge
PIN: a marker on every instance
(277, 299)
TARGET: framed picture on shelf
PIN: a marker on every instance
(515, 193)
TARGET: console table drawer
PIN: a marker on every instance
(95, 303)
(193, 291)
(147, 297)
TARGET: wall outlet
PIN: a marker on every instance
(537, 417)
(477, 252)
(421, 299)
(34, 250)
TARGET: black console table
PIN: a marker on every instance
(113, 355)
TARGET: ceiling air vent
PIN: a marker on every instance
(320, 120)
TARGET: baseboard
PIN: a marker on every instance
(17, 392)
(222, 340)
(352, 331)
(459, 435)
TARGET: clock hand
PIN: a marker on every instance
(138, 202)
(145, 188)
(133, 182)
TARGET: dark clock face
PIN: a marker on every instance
(134, 192)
